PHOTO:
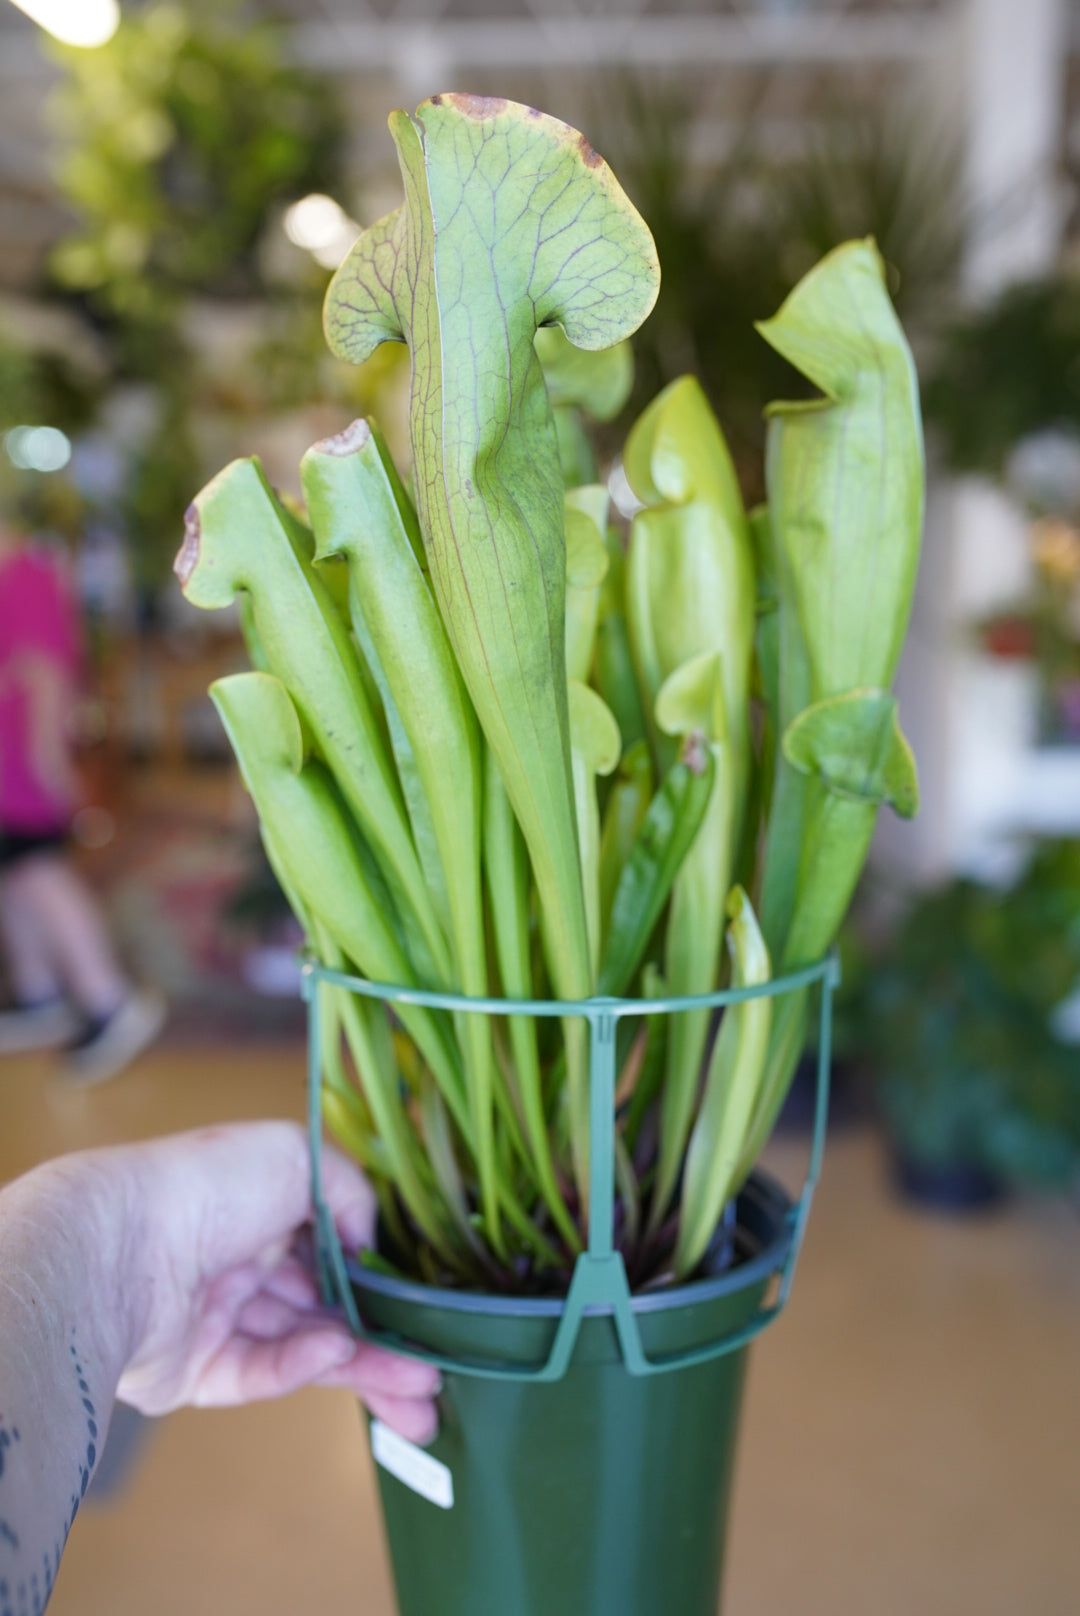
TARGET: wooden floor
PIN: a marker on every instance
(911, 1443)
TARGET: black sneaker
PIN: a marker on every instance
(107, 1046)
(45, 1025)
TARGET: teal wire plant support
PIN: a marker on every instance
(599, 1284)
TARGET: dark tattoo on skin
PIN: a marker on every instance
(30, 1594)
(9, 1439)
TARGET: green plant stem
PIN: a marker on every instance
(368, 1036)
(613, 671)
(667, 831)
(586, 568)
(691, 705)
(506, 862)
(359, 510)
(627, 804)
(731, 1092)
(651, 1075)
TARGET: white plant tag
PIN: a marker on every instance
(427, 1476)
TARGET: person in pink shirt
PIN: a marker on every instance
(67, 982)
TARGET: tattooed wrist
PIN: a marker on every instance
(66, 1329)
(28, 1573)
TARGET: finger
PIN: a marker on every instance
(388, 1374)
(165, 1374)
(247, 1370)
(350, 1199)
(229, 1293)
(416, 1421)
(294, 1283)
(268, 1318)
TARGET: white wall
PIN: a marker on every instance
(999, 78)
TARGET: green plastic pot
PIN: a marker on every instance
(603, 1493)
(584, 1459)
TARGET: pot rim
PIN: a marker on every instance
(762, 1190)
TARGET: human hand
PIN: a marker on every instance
(222, 1311)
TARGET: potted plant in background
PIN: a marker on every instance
(507, 759)
(979, 1089)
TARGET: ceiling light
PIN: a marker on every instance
(75, 22)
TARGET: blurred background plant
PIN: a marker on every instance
(735, 231)
(183, 146)
(178, 138)
(1002, 399)
(37, 385)
(960, 1014)
(1005, 373)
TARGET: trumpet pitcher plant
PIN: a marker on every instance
(502, 744)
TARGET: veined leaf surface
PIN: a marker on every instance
(511, 222)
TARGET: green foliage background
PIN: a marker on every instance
(735, 233)
(176, 145)
(956, 1017)
(178, 139)
(1007, 371)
